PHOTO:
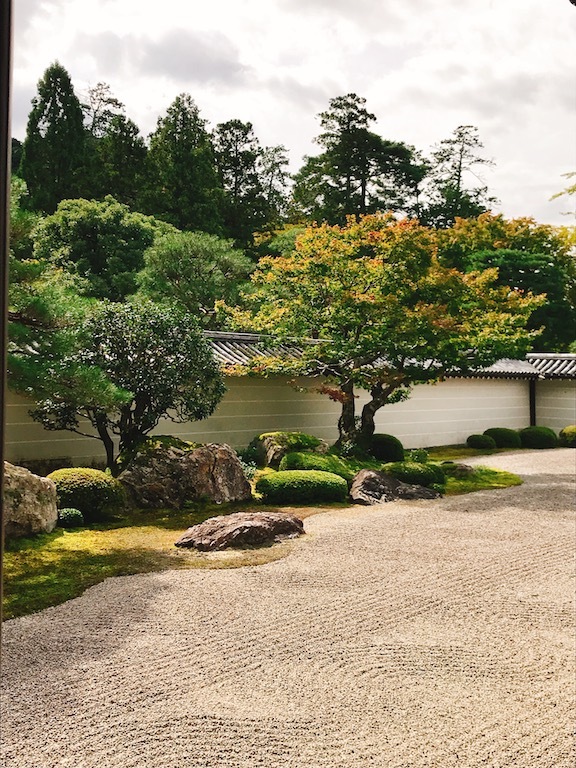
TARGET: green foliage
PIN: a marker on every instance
(453, 190)
(301, 487)
(323, 462)
(100, 241)
(419, 455)
(22, 220)
(480, 441)
(194, 270)
(154, 361)
(54, 150)
(358, 172)
(69, 517)
(120, 161)
(567, 436)
(504, 437)
(183, 186)
(91, 491)
(415, 473)
(538, 437)
(44, 309)
(538, 273)
(386, 447)
(237, 153)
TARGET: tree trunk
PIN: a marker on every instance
(347, 421)
(380, 395)
(100, 422)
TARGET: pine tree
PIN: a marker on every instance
(54, 150)
(182, 185)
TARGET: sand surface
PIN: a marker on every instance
(408, 635)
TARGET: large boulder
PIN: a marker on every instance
(168, 476)
(374, 487)
(29, 502)
(241, 529)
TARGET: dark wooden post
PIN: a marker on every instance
(5, 155)
(532, 390)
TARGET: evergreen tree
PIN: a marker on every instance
(359, 172)
(54, 150)
(453, 190)
(121, 154)
(238, 153)
(182, 185)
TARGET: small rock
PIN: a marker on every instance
(241, 529)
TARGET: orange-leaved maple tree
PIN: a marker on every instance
(370, 307)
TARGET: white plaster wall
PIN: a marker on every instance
(555, 404)
(448, 412)
(441, 414)
(27, 440)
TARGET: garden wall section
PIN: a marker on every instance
(441, 414)
(556, 403)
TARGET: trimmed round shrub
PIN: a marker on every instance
(320, 461)
(567, 436)
(415, 473)
(301, 487)
(91, 491)
(386, 448)
(538, 437)
(504, 437)
(68, 517)
(481, 441)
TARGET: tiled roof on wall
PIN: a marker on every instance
(240, 348)
(553, 365)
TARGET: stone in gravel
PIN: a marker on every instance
(373, 487)
(241, 529)
(29, 502)
(169, 476)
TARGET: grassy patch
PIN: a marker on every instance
(482, 479)
(460, 452)
(51, 568)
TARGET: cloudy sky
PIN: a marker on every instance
(424, 67)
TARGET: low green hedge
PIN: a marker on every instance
(504, 437)
(481, 441)
(415, 473)
(567, 436)
(324, 462)
(91, 491)
(538, 437)
(386, 448)
(301, 487)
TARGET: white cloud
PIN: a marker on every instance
(424, 66)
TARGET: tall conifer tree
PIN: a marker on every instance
(53, 154)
